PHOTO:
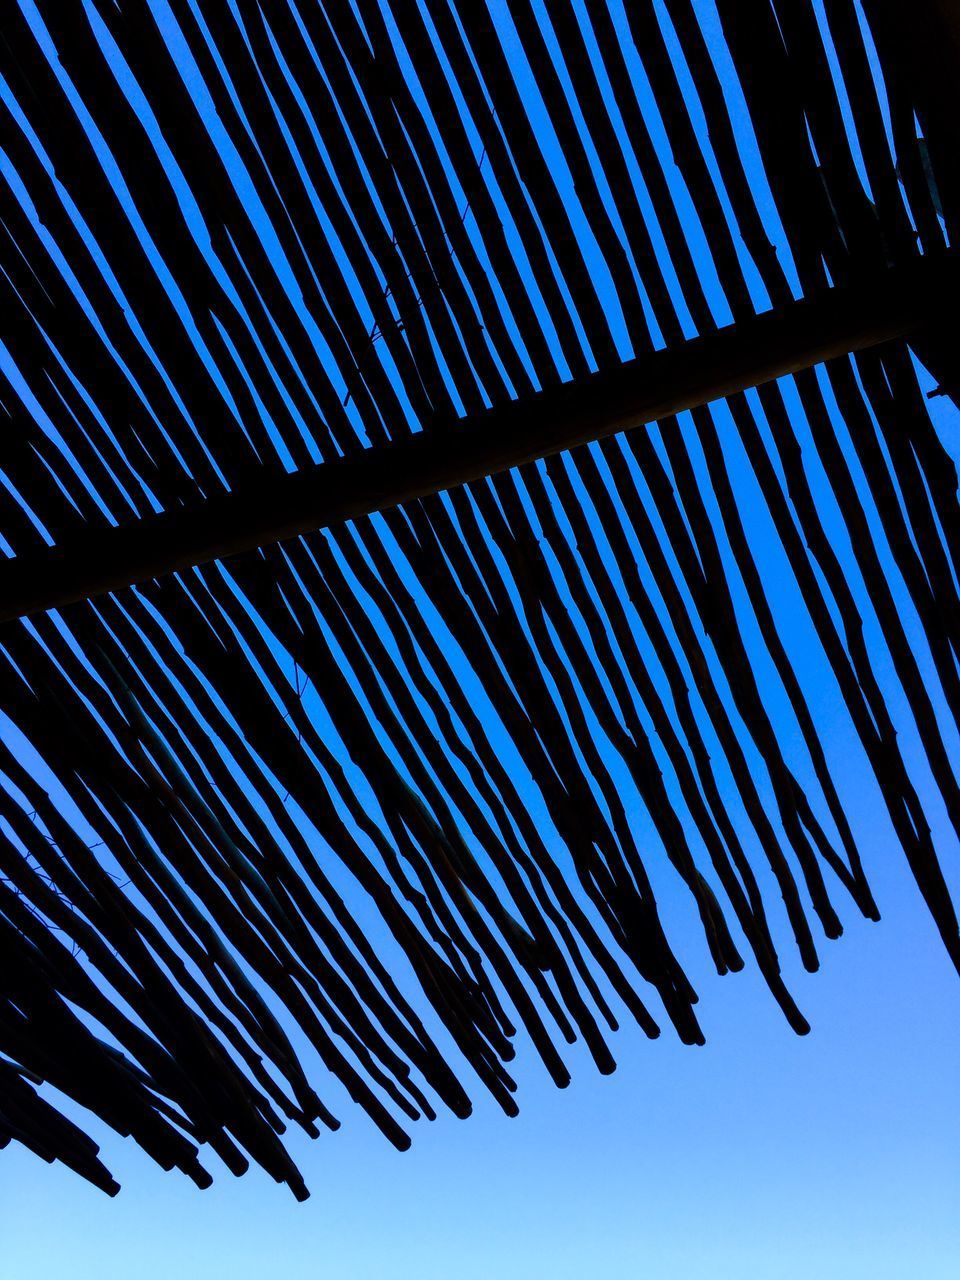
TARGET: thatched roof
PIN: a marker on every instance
(280, 266)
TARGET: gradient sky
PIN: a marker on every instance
(761, 1155)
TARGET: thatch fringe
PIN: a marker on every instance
(402, 792)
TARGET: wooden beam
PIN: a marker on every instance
(885, 306)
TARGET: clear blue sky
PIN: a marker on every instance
(759, 1156)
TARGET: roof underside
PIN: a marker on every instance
(402, 793)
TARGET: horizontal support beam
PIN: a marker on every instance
(888, 305)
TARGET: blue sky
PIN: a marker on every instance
(760, 1155)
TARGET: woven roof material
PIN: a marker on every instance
(390, 794)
